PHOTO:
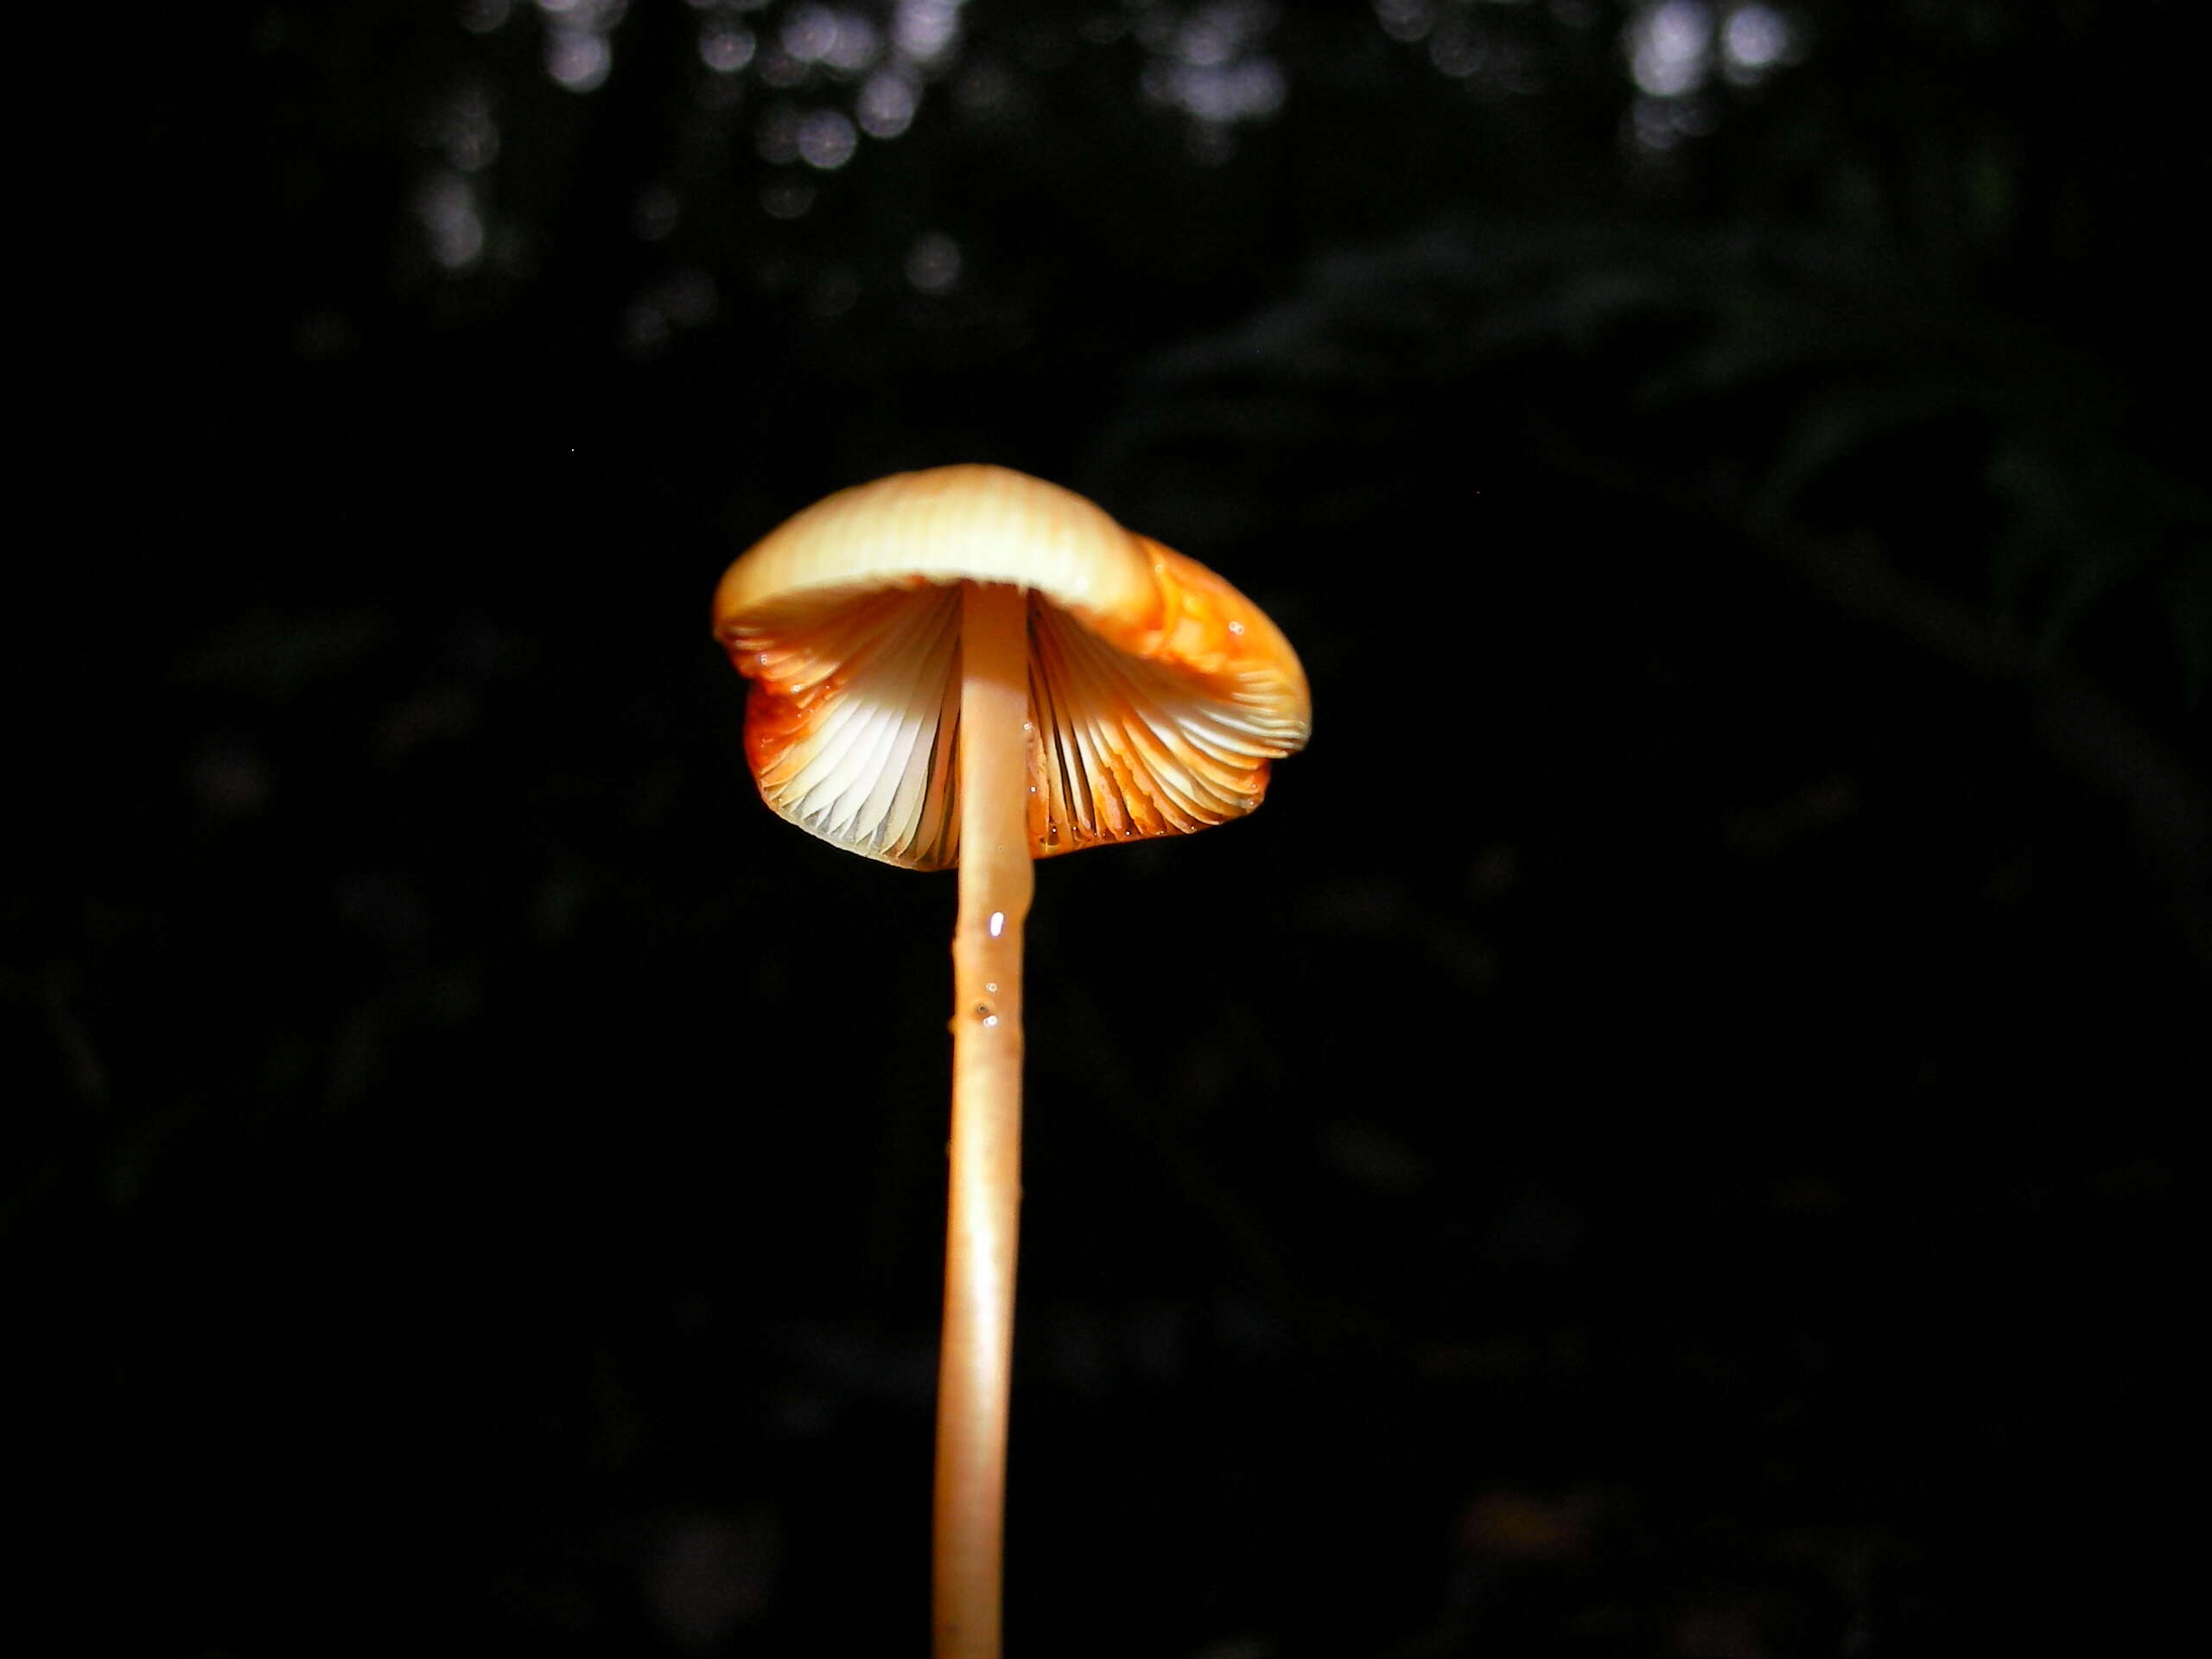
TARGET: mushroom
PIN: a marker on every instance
(971, 667)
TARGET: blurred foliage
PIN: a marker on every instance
(1659, 1137)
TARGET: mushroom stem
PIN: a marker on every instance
(975, 1371)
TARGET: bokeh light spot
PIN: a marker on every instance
(827, 140)
(446, 206)
(467, 134)
(725, 46)
(933, 263)
(1755, 39)
(1670, 47)
(1406, 20)
(1455, 51)
(775, 135)
(656, 213)
(925, 30)
(578, 58)
(888, 104)
(840, 40)
(786, 198)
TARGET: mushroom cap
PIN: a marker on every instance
(1158, 694)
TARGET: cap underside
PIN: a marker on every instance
(1155, 718)
(1120, 748)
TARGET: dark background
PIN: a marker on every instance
(1659, 1137)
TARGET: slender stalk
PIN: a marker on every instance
(975, 1371)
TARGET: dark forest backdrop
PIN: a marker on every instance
(1661, 1137)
